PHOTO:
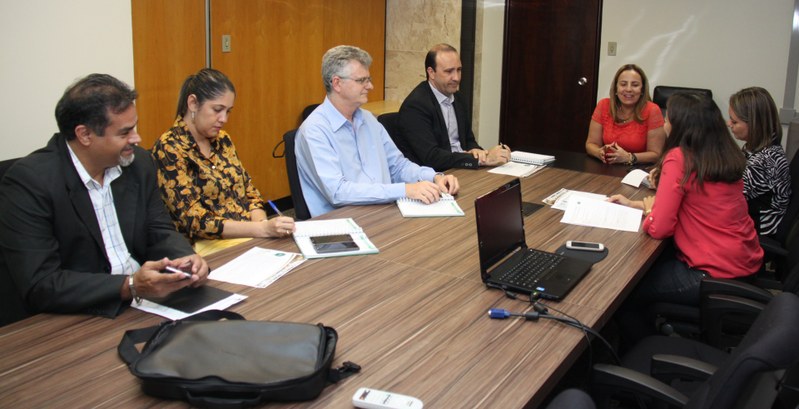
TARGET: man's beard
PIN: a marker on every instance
(126, 161)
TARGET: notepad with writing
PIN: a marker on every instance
(531, 158)
(316, 228)
(446, 206)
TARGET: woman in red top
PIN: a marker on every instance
(627, 127)
(700, 203)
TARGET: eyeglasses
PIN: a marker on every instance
(362, 80)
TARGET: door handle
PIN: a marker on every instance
(582, 81)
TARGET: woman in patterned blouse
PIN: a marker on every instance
(208, 192)
(767, 180)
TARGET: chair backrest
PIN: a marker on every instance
(788, 227)
(662, 93)
(390, 121)
(770, 345)
(572, 399)
(301, 211)
(307, 111)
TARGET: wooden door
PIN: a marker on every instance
(168, 45)
(550, 66)
(275, 63)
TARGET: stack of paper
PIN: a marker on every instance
(257, 267)
(517, 169)
(316, 228)
(531, 158)
(589, 212)
(445, 206)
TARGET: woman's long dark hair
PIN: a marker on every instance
(698, 128)
(206, 84)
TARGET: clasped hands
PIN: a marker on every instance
(430, 192)
(613, 153)
(497, 155)
(152, 280)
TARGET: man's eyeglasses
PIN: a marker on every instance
(362, 80)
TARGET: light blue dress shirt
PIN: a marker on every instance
(344, 163)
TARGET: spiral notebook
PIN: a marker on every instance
(445, 206)
(317, 228)
(531, 158)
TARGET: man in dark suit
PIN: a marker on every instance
(83, 228)
(435, 122)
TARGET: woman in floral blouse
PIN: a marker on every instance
(208, 192)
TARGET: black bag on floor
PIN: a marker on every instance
(233, 363)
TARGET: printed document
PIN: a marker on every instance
(586, 211)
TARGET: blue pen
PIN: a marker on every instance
(274, 208)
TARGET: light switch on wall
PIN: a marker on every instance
(611, 48)
(226, 43)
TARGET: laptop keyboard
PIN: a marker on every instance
(531, 268)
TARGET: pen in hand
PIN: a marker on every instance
(279, 213)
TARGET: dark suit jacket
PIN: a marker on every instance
(423, 128)
(52, 253)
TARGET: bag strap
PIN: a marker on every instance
(127, 346)
(346, 370)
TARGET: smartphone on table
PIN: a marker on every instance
(334, 244)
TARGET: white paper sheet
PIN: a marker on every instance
(586, 211)
(257, 267)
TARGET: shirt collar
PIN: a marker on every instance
(109, 176)
(440, 97)
(337, 120)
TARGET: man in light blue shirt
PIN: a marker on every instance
(345, 156)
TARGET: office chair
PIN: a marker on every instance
(390, 121)
(307, 111)
(572, 399)
(662, 93)
(301, 211)
(694, 375)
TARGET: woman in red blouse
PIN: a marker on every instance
(700, 203)
(627, 127)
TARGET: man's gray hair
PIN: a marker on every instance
(337, 58)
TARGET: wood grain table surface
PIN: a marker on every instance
(413, 316)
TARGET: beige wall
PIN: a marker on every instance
(46, 45)
(413, 26)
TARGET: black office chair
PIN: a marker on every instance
(662, 93)
(390, 121)
(572, 399)
(307, 111)
(301, 211)
(695, 375)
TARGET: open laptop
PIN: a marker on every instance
(505, 260)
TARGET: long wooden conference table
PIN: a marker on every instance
(413, 316)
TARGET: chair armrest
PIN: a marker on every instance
(666, 368)
(623, 379)
(734, 287)
(772, 246)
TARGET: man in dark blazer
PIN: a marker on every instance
(434, 120)
(83, 228)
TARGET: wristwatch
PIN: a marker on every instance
(633, 159)
(133, 290)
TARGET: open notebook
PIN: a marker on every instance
(318, 228)
(445, 206)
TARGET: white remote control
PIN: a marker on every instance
(369, 398)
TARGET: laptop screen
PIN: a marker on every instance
(500, 224)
